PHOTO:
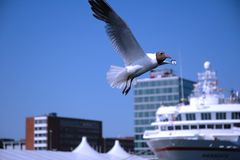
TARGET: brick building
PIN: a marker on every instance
(50, 132)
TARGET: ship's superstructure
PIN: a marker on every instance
(207, 128)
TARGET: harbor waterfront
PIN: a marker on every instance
(208, 128)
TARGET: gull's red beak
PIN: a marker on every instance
(167, 56)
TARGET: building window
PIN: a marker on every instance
(40, 148)
(235, 115)
(220, 115)
(40, 141)
(205, 116)
(176, 97)
(138, 129)
(40, 121)
(40, 135)
(190, 116)
(185, 127)
(138, 137)
(40, 128)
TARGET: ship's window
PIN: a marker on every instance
(190, 116)
(227, 126)
(219, 126)
(165, 120)
(210, 126)
(177, 127)
(178, 118)
(193, 127)
(220, 115)
(236, 124)
(202, 126)
(235, 115)
(163, 128)
(185, 127)
(170, 128)
(205, 116)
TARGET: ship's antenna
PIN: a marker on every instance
(181, 75)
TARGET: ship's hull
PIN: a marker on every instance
(182, 149)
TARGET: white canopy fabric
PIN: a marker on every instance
(85, 149)
(118, 152)
(83, 152)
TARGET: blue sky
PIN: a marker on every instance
(54, 55)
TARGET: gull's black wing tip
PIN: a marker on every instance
(101, 10)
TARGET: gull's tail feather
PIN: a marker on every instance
(117, 76)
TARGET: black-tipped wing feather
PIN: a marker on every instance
(118, 31)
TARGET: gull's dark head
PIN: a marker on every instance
(161, 56)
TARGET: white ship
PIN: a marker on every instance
(206, 129)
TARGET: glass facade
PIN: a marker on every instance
(65, 134)
(149, 95)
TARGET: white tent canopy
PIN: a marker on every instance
(85, 149)
(82, 152)
(118, 151)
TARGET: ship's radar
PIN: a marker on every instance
(207, 65)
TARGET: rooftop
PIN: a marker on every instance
(82, 152)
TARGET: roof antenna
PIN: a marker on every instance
(182, 100)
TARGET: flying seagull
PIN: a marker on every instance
(135, 60)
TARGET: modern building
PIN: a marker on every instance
(50, 132)
(163, 87)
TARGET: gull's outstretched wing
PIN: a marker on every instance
(118, 31)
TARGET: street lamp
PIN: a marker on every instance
(50, 139)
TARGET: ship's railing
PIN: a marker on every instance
(195, 122)
(151, 133)
(194, 133)
(232, 100)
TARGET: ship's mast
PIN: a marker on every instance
(208, 80)
(207, 87)
(181, 76)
